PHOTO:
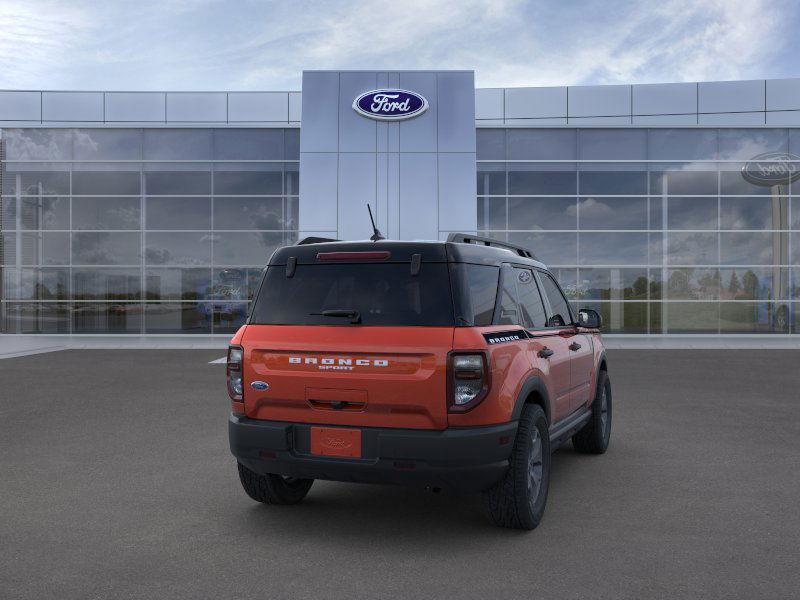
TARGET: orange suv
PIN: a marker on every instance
(457, 365)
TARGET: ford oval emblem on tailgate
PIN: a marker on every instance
(259, 385)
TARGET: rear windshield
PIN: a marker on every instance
(383, 294)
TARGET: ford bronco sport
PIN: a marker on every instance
(455, 364)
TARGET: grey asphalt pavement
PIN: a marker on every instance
(116, 482)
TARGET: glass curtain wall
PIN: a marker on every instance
(141, 230)
(657, 229)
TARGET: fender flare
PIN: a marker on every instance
(533, 383)
(600, 360)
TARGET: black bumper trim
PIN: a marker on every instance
(462, 459)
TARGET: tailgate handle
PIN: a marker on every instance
(337, 404)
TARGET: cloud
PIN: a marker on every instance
(206, 44)
(34, 36)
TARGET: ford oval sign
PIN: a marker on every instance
(772, 168)
(390, 105)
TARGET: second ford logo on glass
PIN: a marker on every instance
(390, 104)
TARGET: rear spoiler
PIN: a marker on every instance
(315, 240)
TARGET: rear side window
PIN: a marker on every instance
(383, 294)
(559, 307)
(530, 300)
(508, 313)
(474, 293)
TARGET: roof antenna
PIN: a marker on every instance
(377, 235)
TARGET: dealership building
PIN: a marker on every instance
(672, 209)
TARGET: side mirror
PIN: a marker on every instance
(589, 318)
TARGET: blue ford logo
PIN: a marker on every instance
(390, 105)
(259, 385)
(772, 168)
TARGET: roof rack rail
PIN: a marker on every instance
(466, 238)
(315, 240)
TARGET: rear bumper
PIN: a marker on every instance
(463, 459)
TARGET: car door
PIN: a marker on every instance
(548, 349)
(579, 345)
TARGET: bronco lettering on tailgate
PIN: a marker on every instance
(338, 364)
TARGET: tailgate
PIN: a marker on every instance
(348, 375)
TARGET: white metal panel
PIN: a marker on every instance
(393, 137)
(418, 134)
(72, 106)
(356, 133)
(318, 191)
(730, 96)
(258, 106)
(393, 193)
(536, 103)
(133, 107)
(356, 189)
(599, 100)
(20, 106)
(665, 120)
(732, 119)
(784, 118)
(197, 107)
(489, 103)
(320, 129)
(418, 192)
(537, 122)
(601, 121)
(664, 98)
(783, 94)
(458, 209)
(295, 102)
(455, 124)
(381, 204)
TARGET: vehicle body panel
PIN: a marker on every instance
(509, 365)
(348, 375)
(582, 369)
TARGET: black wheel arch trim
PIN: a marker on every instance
(602, 360)
(533, 384)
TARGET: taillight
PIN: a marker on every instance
(234, 371)
(467, 380)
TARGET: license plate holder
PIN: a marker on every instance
(336, 441)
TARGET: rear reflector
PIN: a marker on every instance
(370, 255)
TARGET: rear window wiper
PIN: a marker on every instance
(353, 315)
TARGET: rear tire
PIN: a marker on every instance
(595, 435)
(273, 489)
(518, 500)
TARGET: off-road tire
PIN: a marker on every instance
(593, 438)
(273, 489)
(512, 502)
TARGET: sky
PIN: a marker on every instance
(264, 45)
